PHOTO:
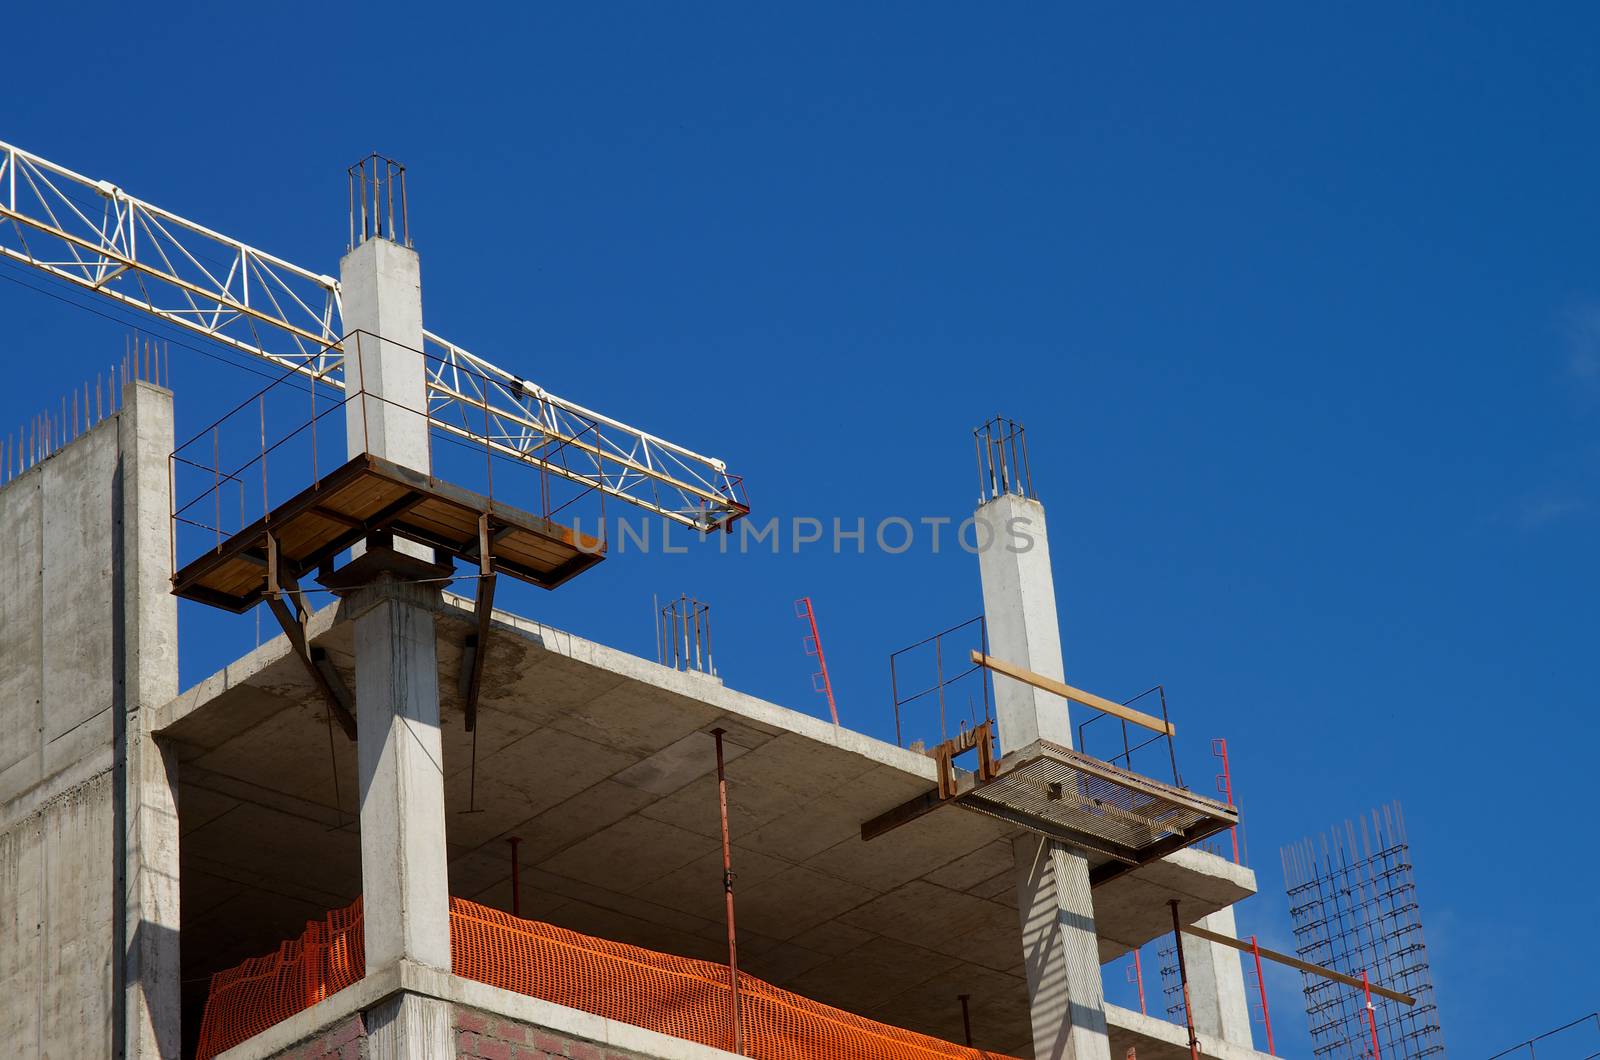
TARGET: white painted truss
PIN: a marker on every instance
(92, 234)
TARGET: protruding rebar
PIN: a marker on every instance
(516, 876)
(372, 181)
(684, 636)
(1002, 460)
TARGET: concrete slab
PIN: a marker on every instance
(1152, 1039)
(603, 765)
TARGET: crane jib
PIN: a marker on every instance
(93, 235)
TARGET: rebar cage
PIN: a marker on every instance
(1353, 897)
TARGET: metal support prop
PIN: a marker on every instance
(1372, 1017)
(478, 643)
(1138, 977)
(727, 887)
(323, 675)
(1183, 979)
(966, 1017)
(516, 876)
(1261, 985)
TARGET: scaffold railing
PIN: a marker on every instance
(288, 436)
(279, 466)
(1572, 1036)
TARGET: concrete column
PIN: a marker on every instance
(146, 631)
(381, 298)
(404, 878)
(152, 993)
(1065, 995)
(408, 1026)
(1019, 604)
(1216, 984)
(404, 869)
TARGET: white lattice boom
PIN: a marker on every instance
(94, 235)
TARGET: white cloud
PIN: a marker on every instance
(1542, 511)
(1583, 342)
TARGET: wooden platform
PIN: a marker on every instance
(369, 496)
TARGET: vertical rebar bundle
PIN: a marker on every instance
(378, 206)
(1002, 460)
(48, 432)
(683, 636)
(1353, 898)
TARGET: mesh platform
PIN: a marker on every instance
(1083, 801)
(672, 995)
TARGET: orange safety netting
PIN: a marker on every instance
(673, 995)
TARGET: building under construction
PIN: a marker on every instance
(414, 824)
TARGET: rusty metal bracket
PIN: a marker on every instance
(979, 738)
(294, 619)
(477, 644)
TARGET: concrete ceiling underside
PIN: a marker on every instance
(603, 765)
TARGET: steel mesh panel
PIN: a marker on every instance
(1093, 803)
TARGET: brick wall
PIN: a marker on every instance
(482, 1036)
(345, 1040)
(479, 1036)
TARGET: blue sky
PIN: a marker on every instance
(1300, 308)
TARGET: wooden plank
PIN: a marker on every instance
(1077, 695)
(498, 535)
(384, 517)
(302, 535)
(360, 499)
(335, 516)
(425, 518)
(1295, 962)
(532, 549)
(446, 515)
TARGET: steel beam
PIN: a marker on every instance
(293, 620)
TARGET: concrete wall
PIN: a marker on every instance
(88, 638)
(56, 945)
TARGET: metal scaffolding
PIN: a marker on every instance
(1353, 898)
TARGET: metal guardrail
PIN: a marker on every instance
(280, 441)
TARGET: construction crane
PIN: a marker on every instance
(92, 234)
